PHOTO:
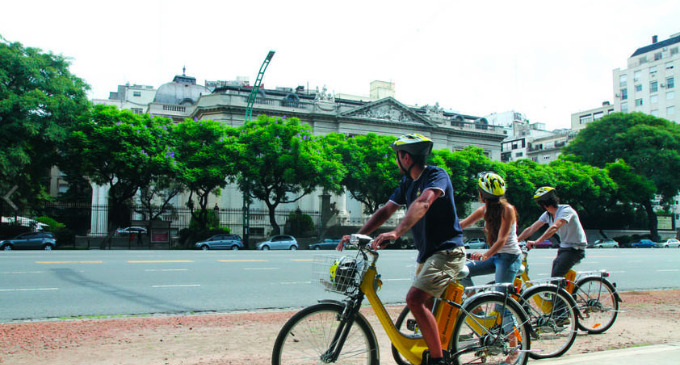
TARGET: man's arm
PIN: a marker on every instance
(551, 230)
(530, 230)
(377, 219)
(414, 213)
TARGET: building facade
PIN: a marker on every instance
(581, 119)
(648, 84)
(379, 113)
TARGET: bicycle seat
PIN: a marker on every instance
(462, 273)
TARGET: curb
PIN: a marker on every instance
(663, 354)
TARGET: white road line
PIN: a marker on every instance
(21, 272)
(295, 282)
(175, 285)
(396, 279)
(668, 270)
(29, 289)
(166, 270)
(261, 268)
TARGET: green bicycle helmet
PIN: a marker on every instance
(492, 184)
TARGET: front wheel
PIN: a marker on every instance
(553, 318)
(293, 248)
(597, 303)
(485, 333)
(307, 338)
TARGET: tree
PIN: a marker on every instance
(206, 153)
(649, 145)
(280, 162)
(123, 150)
(40, 100)
(372, 170)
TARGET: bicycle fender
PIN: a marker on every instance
(332, 301)
(497, 296)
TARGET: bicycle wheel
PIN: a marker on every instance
(307, 338)
(403, 326)
(597, 304)
(478, 338)
(552, 315)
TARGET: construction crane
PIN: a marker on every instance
(256, 86)
(249, 114)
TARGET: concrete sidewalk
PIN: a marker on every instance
(666, 354)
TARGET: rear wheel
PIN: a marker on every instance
(7, 247)
(234, 247)
(293, 248)
(553, 319)
(307, 338)
(204, 247)
(48, 248)
(597, 304)
(265, 248)
(485, 333)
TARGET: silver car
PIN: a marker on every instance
(221, 242)
(30, 240)
(279, 242)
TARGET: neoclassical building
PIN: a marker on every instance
(379, 113)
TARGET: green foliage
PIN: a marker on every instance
(52, 223)
(372, 171)
(299, 224)
(40, 100)
(280, 162)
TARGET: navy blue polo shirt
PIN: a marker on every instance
(439, 229)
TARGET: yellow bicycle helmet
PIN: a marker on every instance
(492, 184)
(544, 192)
(415, 144)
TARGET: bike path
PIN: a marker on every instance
(664, 354)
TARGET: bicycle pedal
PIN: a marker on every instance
(411, 324)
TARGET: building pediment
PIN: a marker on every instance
(387, 110)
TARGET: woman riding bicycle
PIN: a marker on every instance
(504, 255)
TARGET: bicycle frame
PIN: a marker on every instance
(412, 348)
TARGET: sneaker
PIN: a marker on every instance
(562, 322)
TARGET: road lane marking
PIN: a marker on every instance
(154, 261)
(29, 289)
(166, 270)
(175, 285)
(304, 260)
(261, 268)
(22, 272)
(295, 282)
(243, 260)
(69, 262)
(668, 270)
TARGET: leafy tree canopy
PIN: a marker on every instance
(40, 100)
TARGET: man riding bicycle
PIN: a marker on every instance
(431, 216)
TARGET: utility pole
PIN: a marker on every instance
(249, 114)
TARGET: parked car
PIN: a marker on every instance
(671, 242)
(475, 243)
(127, 231)
(608, 243)
(546, 244)
(279, 242)
(644, 243)
(30, 240)
(326, 244)
(221, 242)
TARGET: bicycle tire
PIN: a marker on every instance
(495, 344)
(597, 304)
(554, 330)
(403, 316)
(308, 334)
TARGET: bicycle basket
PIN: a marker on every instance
(340, 275)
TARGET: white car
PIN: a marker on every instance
(607, 243)
(279, 242)
(671, 242)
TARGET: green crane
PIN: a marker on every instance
(249, 114)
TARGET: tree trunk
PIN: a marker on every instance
(272, 218)
(652, 221)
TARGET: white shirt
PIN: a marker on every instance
(572, 233)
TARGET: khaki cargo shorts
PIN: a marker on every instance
(438, 270)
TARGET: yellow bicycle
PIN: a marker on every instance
(489, 327)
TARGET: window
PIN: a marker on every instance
(137, 93)
(643, 59)
(624, 107)
(652, 70)
(654, 112)
(669, 66)
(638, 102)
(657, 56)
(654, 99)
(636, 76)
(670, 95)
(585, 119)
(624, 94)
(674, 51)
(623, 79)
(638, 88)
(598, 115)
(670, 82)
(519, 154)
(137, 110)
(670, 110)
(653, 86)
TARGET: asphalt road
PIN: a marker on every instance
(37, 285)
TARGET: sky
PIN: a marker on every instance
(545, 59)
